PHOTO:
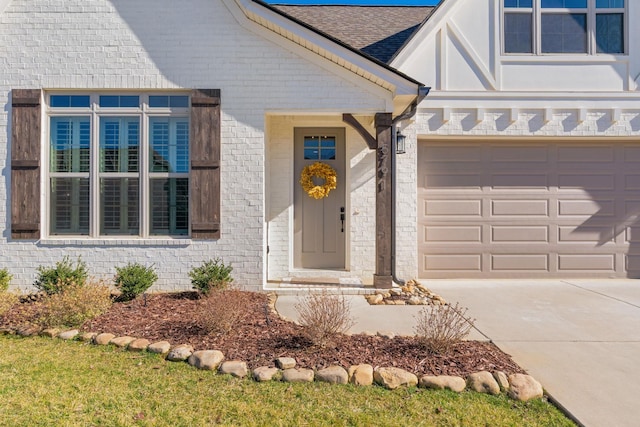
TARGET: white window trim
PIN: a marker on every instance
(591, 11)
(94, 112)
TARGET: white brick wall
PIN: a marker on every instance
(144, 44)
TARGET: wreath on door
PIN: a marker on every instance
(322, 171)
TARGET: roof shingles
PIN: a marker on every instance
(379, 31)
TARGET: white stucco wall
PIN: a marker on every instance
(163, 44)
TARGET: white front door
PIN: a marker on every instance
(319, 224)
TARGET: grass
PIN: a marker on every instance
(47, 382)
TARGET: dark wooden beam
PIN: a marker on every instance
(351, 121)
(383, 276)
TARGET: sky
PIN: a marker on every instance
(360, 2)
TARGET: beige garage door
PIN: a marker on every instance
(489, 209)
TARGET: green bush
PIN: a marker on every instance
(133, 279)
(74, 305)
(212, 274)
(5, 279)
(53, 280)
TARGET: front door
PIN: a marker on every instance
(319, 224)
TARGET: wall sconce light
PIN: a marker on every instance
(400, 143)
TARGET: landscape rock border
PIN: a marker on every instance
(518, 387)
(411, 293)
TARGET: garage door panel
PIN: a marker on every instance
(519, 154)
(520, 208)
(451, 181)
(520, 181)
(631, 154)
(453, 207)
(511, 262)
(577, 153)
(530, 210)
(587, 181)
(585, 262)
(453, 153)
(594, 235)
(632, 182)
(586, 207)
(466, 234)
(453, 262)
(532, 234)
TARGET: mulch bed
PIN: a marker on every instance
(260, 336)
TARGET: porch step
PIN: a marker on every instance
(303, 286)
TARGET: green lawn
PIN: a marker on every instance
(46, 382)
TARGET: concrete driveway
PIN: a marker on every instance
(579, 338)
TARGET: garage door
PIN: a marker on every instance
(502, 210)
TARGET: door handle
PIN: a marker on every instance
(342, 217)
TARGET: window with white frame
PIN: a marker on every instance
(564, 27)
(118, 165)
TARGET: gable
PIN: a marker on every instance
(462, 48)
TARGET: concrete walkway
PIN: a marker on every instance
(579, 338)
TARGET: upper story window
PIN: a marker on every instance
(118, 165)
(564, 26)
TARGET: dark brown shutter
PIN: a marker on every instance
(205, 164)
(25, 164)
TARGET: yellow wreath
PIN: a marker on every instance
(320, 170)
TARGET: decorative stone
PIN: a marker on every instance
(160, 347)
(297, 375)
(524, 387)
(333, 375)
(103, 339)
(180, 353)
(483, 382)
(266, 373)
(361, 375)
(206, 359)
(7, 331)
(395, 291)
(286, 362)
(374, 299)
(235, 368)
(415, 301)
(68, 335)
(442, 382)
(50, 332)
(122, 342)
(28, 330)
(88, 336)
(139, 344)
(501, 379)
(393, 378)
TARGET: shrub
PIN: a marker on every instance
(213, 274)
(75, 305)
(324, 315)
(439, 328)
(7, 300)
(5, 279)
(53, 280)
(133, 279)
(220, 310)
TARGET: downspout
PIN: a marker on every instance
(423, 91)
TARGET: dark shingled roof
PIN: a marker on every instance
(379, 31)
